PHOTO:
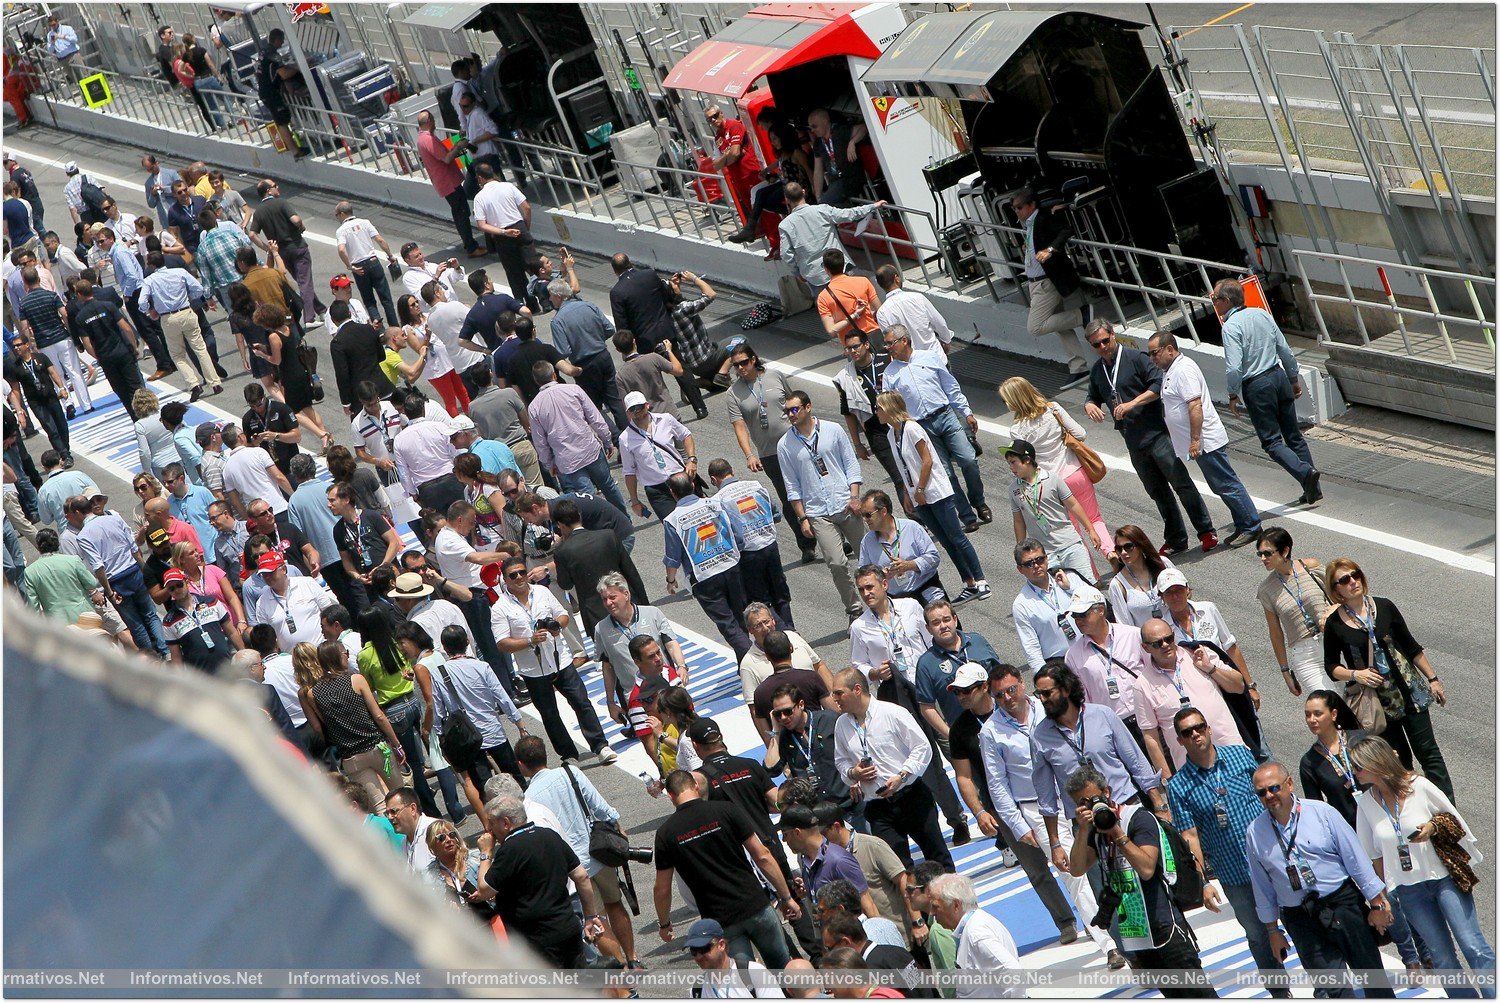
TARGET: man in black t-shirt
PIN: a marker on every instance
(107, 335)
(518, 367)
(366, 536)
(1130, 850)
(778, 648)
(845, 929)
(533, 866)
(707, 841)
(273, 418)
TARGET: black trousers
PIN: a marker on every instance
(687, 382)
(1179, 953)
(513, 252)
(458, 206)
(1412, 737)
(504, 757)
(1348, 942)
(597, 378)
(895, 690)
(150, 332)
(544, 691)
(722, 597)
(349, 591)
(765, 581)
(1035, 862)
(1161, 474)
(54, 421)
(123, 375)
(910, 815)
(772, 465)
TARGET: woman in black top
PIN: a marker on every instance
(1327, 773)
(1366, 643)
(282, 352)
(342, 710)
(250, 335)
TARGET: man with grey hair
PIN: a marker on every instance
(627, 620)
(246, 669)
(534, 866)
(983, 942)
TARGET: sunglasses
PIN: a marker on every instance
(966, 690)
(792, 410)
(1153, 352)
(1192, 729)
(1265, 555)
(1009, 691)
(1352, 576)
(1265, 792)
(783, 712)
(1160, 643)
(1080, 616)
(1035, 562)
(1042, 694)
(450, 834)
(1101, 342)
(515, 574)
(1124, 545)
(743, 362)
(869, 515)
(700, 950)
(141, 487)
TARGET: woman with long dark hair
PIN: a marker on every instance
(390, 674)
(1327, 772)
(342, 710)
(439, 371)
(249, 334)
(1132, 592)
(281, 351)
(416, 644)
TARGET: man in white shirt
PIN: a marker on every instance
(982, 941)
(420, 271)
(1107, 657)
(357, 239)
(880, 747)
(292, 606)
(406, 816)
(250, 473)
(912, 311)
(445, 318)
(727, 978)
(502, 212)
(1040, 611)
(1198, 433)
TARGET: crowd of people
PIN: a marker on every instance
(1113, 747)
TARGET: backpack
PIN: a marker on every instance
(93, 196)
(460, 740)
(760, 315)
(1184, 878)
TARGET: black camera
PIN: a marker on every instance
(548, 623)
(1109, 903)
(543, 541)
(638, 855)
(1105, 817)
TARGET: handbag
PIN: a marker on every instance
(396, 271)
(1089, 460)
(460, 740)
(607, 844)
(796, 297)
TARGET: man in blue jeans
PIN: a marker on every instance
(1198, 433)
(572, 439)
(1259, 366)
(712, 844)
(935, 399)
(107, 546)
(1213, 803)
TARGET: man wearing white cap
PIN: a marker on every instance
(494, 455)
(1107, 657)
(653, 447)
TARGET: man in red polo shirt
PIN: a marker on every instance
(736, 157)
(447, 178)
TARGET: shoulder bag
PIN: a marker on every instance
(796, 297)
(607, 844)
(1373, 704)
(1089, 460)
(460, 740)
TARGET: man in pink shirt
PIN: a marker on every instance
(571, 437)
(1175, 677)
(1106, 657)
(446, 176)
(159, 517)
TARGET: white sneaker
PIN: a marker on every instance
(607, 755)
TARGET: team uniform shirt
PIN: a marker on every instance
(636, 714)
(890, 738)
(1109, 671)
(1043, 507)
(900, 640)
(1006, 751)
(1182, 384)
(752, 512)
(198, 632)
(512, 618)
(1043, 624)
(1205, 623)
(698, 535)
(910, 542)
(357, 235)
(652, 455)
(295, 616)
(704, 842)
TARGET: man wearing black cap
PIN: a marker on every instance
(745, 782)
(1041, 503)
(729, 977)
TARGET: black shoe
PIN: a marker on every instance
(746, 234)
(223, 373)
(68, 461)
(971, 527)
(196, 394)
(71, 412)
(961, 833)
(809, 557)
(1311, 493)
(1242, 537)
(1068, 934)
(522, 700)
(985, 515)
(1086, 311)
(701, 412)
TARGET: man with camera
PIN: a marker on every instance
(528, 623)
(1139, 869)
(1306, 867)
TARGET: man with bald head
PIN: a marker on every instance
(1307, 869)
(159, 516)
(838, 173)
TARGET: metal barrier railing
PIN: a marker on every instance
(1439, 317)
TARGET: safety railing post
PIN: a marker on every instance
(1312, 299)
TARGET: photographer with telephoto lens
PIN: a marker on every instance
(1139, 870)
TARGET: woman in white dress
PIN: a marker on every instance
(1041, 422)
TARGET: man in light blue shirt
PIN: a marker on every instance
(1262, 372)
(471, 685)
(60, 485)
(1040, 612)
(494, 455)
(809, 230)
(190, 503)
(934, 398)
(902, 548)
(167, 296)
(308, 510)
(62, 43)
(823, 483)
(581, 334)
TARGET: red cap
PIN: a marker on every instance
(340, 282)
(173, 575)
(270, 561)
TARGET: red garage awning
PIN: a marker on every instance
(768, 39)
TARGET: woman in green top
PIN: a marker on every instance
(390, 674)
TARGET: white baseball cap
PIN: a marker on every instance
(7, 156)
(967, 675)
(1085, 598)
(635, 399)
(71, 167)
(1170, 577)
(461, 423)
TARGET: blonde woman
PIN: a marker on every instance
(342, 710)
(1041, 423)
(152, 437)
(145, 487)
